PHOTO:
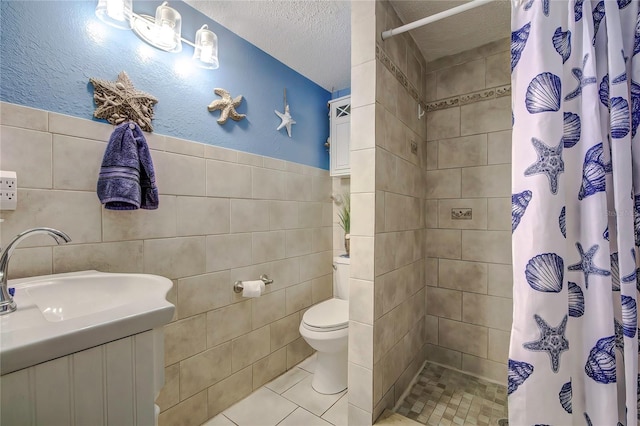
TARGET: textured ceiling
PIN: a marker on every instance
(458, 33)
(311, 36)
(314, 36)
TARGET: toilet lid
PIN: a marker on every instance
(330, 314)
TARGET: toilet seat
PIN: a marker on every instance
(330, 315)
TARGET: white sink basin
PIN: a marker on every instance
(65, 313)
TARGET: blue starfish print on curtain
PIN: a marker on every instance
(551, 340)
(578, 74)
(586, 264)
(549, 163)
(622, 77)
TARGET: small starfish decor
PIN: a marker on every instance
(286, 118)
(227, 106)
(118, 101)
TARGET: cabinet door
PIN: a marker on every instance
(340, 136)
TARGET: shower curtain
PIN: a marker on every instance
(573, 357)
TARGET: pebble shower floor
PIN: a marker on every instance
(446, 397)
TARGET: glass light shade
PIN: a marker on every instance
(168, 29)
(205, 52)
(116, 13)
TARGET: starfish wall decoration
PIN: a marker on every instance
(286, 118)
(118, 101)
(227, 106)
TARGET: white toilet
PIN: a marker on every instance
(325, 327)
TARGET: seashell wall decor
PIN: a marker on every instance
(119, 101)
(227, 106)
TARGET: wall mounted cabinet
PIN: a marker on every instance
(339, 137)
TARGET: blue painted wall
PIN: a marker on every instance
(340, 93)
(50, 49)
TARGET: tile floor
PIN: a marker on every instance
(288, 400)
(447, 397)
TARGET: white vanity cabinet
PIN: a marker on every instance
(111, 384)
(339, 136)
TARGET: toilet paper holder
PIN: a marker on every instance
(238, 287)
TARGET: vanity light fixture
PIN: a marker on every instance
(162, 31)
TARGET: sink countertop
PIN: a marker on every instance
(65, 313)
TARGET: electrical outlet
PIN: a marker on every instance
(8, 190)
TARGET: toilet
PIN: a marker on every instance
(325, 327)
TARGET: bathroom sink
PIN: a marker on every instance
(65, 313)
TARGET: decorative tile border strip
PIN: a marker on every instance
(469, 98)
(382, 56)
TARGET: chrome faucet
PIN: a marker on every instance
(7, 304)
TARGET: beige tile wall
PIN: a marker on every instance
(468, 264)
(387, 300)
(224, 215)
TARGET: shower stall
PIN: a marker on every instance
(431, 235)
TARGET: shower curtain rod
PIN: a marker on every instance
(433, 18)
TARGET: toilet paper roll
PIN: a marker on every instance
(252, 288)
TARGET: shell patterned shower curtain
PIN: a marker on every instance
(575, 212)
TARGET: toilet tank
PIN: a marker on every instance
(341, 274)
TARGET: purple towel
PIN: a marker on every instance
(127, 180)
